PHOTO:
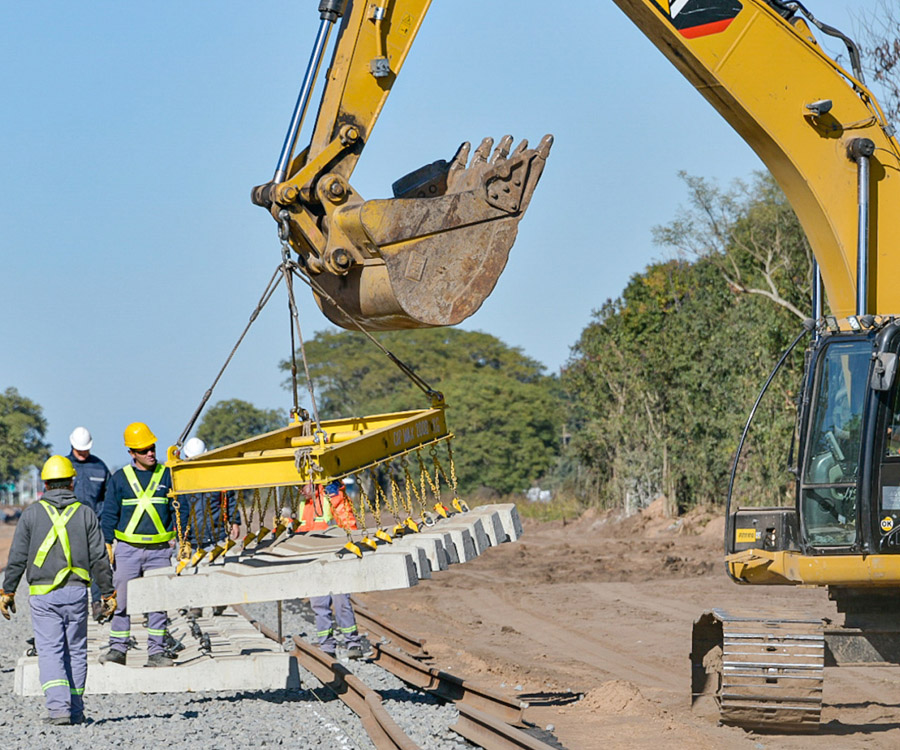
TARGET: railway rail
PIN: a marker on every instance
(486, 718)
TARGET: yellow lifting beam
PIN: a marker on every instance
(299, 453)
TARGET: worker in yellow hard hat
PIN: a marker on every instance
(138, 516)
(59, 548)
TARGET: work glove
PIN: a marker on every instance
(7, 604)
(109, 608)
(112, 557)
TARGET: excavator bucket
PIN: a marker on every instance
(433, 253)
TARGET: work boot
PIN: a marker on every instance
(78, 719)
(159, 660)
(355, 652)
(96, 609)
(58, 721)
(113, 656)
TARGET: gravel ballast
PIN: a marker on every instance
(311, 717)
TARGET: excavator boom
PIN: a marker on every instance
(758, 63)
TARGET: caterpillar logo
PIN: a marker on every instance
(696, 18)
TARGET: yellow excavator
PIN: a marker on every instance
(430, 255)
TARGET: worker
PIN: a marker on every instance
(207, 517)
(319, 510)
(91, 476)
(138, 516)
(59, 548)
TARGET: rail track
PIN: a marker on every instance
(486, 718)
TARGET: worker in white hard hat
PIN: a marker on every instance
(91, 476)
(208, 518)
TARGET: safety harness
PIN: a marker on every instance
(58, 531)
(144, 499)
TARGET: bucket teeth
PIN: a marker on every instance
(431, 255)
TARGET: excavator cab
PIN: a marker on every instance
(430, 255)
(848, 465)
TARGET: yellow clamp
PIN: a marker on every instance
(411, 525)
(351, 547)
(369, 542)
(460, 506)
(278, 531)
(441, 510)
(384, 536)
(197, 557)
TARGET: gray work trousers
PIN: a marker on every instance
(60, 621)
(131, 562)
(344, 619)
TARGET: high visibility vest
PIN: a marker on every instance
(57, 532)
(144, 501)
(318, 514)
(315, 514)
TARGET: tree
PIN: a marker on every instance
(234, 420)
(752, 235)
(881, 56)
(503, 409)
(661, 380)
(22, 432)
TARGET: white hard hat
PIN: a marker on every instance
(193, 447)
(81, 439)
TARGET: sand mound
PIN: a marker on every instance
(616, 697)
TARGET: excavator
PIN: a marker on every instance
(432, 253)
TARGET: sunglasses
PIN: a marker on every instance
(144, 451)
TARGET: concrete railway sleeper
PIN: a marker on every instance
(485, 718)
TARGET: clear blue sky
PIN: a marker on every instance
(133, 132)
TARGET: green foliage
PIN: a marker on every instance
(234, 420)
(22, 432)
(661, 381)
(503, 409)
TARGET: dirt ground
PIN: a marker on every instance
(604, 607)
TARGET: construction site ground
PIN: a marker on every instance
(603, 605)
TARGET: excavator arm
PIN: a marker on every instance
(433, 253)
(809, 120)
(430, 255)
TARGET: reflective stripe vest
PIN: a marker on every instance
(325, 507)
(58, 532)
(144, 501)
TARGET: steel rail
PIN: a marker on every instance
(384, 732)
(448, 686)
(490, 733)
(485, 718)
(376, 626)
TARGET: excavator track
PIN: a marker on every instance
(764, 670)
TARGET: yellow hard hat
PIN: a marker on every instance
(138, 435)
(57, 467)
